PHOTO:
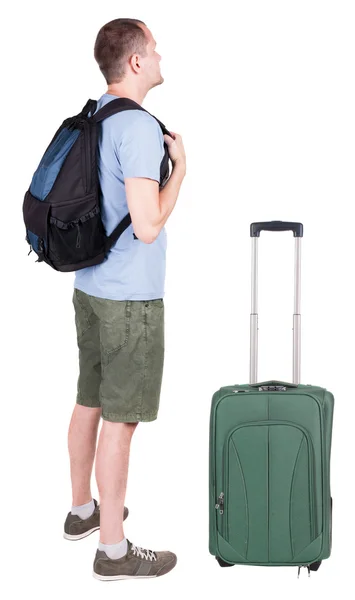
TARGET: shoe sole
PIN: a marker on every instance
(68, 536)
(117, 577)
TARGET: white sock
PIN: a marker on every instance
(115, 551)
(84, 511)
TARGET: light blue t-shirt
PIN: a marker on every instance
(131, 144)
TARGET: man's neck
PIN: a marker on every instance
(126, 91)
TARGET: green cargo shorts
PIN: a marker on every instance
(121, 356)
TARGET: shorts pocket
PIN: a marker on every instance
(82, 317)
(115, 322)
(156, 315)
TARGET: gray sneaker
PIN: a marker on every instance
(136, 564)
(76, 528)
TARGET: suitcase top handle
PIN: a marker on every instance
(255, 228)
(273, 385)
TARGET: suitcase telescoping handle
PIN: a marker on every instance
(255, 229)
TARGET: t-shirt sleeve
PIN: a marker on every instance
(142, 148)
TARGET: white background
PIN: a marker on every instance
(263, 95)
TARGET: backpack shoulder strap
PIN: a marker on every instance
(111, 108)
(119, 105)
(117, 232)
(116, 106)
(90, 106)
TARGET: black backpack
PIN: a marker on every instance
(61, 208)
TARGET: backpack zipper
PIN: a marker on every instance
(78, 235)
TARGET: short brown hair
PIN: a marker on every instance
(115, 43)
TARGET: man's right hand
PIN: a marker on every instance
(176, 149)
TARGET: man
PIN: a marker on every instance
(119, 308)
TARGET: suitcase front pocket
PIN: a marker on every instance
(269, 495)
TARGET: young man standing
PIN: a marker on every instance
(119, 309)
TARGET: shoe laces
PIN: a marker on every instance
(143, 553)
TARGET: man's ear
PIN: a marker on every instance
(134, 63)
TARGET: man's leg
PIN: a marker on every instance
(111, 469)
(82, 437)
(132, 349)
(82, 434)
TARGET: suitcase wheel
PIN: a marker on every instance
(223, 563)
(315, 566)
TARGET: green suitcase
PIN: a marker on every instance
(270, 444)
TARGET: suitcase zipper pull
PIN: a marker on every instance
(220, 503)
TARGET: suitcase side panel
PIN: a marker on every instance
(328, 405)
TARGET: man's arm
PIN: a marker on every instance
(150, 208)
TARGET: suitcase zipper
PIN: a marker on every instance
(220, 503)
